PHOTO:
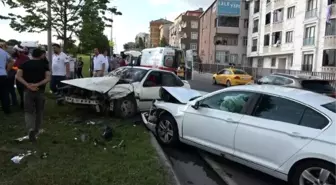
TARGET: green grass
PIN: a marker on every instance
(72, 162)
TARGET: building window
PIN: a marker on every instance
(229, 40)
(234, 58)
(276, 38)
(222, 57)
(260, 62)
(311, 10)
(247, 4)
(254, 45)
(309, 37)
(266, 40)
(194, 35)
(268, 19)
(291, 12)
(193, 46)
(278, 15)
(273, 63)
(246, 23)
(224, 21)
(244, 41)
(290, 61)
(194, 24)
(256, 6)
(331, 27)
(255, 25)
(329, 57)
(289, 37)
(307, 64)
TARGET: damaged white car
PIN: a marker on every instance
(285, 132)
(125, 91)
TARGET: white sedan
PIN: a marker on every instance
(125, 91)
(284, 132)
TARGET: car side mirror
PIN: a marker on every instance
(196, 105)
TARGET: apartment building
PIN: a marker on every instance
(145, 38)
(184, 32)
(164, 31)
(154, 33)
(293, 34)
(223, 32)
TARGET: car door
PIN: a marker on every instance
(213, 124)
(150, 90)
(275, 130)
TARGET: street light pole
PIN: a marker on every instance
(111, 35)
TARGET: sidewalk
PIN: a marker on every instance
(202, 75)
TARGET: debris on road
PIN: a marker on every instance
(17, 159)
(107, 133)
(90, 123)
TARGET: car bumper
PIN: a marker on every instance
(148, 124)
(240, 82)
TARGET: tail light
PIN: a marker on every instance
(237, 77)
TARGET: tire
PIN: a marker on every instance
(214, 81)
(296, 178)
(228, 83)
(170, 124)
(125, 107)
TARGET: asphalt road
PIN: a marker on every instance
(190, 168)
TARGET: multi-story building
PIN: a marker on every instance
(154, 34)
(223, 32)
(164, 32)
(293, 34)
(184, 33)
(145, 38)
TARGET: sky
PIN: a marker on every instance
(136, 17)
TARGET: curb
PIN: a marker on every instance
(165, 160)
(216, 167)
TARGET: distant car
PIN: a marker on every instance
(124, 91)
(305, 82)
(285, 132)
(231, 77)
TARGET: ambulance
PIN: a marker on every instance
(168, 58)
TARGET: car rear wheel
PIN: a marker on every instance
(167, 131)
(214, 81)
(228, 83)
(126, 107)
(314, 173)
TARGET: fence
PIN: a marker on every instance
(258, 72)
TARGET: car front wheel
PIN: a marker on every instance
(228, 83)
(125, 107)
(314, 173)
(167, 131)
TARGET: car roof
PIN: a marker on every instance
(308, 97)
(146, 68)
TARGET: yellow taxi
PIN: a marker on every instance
(231, 77)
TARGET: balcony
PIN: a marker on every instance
(276, 49)
(330, 41)
(266, 49)
(230, 30)
(333, 11)
(311, 13)
(309, 41)
(279, 4)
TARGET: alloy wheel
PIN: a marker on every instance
(127, 108)
(317, 176)
(165, 131)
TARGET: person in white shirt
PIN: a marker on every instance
(98, 64)
(107, 65)
(60, 68)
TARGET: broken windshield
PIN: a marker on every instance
(129, 74)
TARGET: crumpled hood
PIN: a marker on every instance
(98, 84)
(182, 94)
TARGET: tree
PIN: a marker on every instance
(65, 17)
(163, 42)
(126, 47)
(1, 40)
(141, 44)
(91, 33)
(13, 42)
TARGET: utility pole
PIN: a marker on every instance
(49, 33)
(111, 35)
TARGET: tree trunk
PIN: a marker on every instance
(65, 27)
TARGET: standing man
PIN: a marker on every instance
(114, 62)
(34, 75)
(60, 68)
(107, 63)
(6, 63)
(80, 65)
(98, 64)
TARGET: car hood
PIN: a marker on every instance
(98, 84)
(182, 94)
